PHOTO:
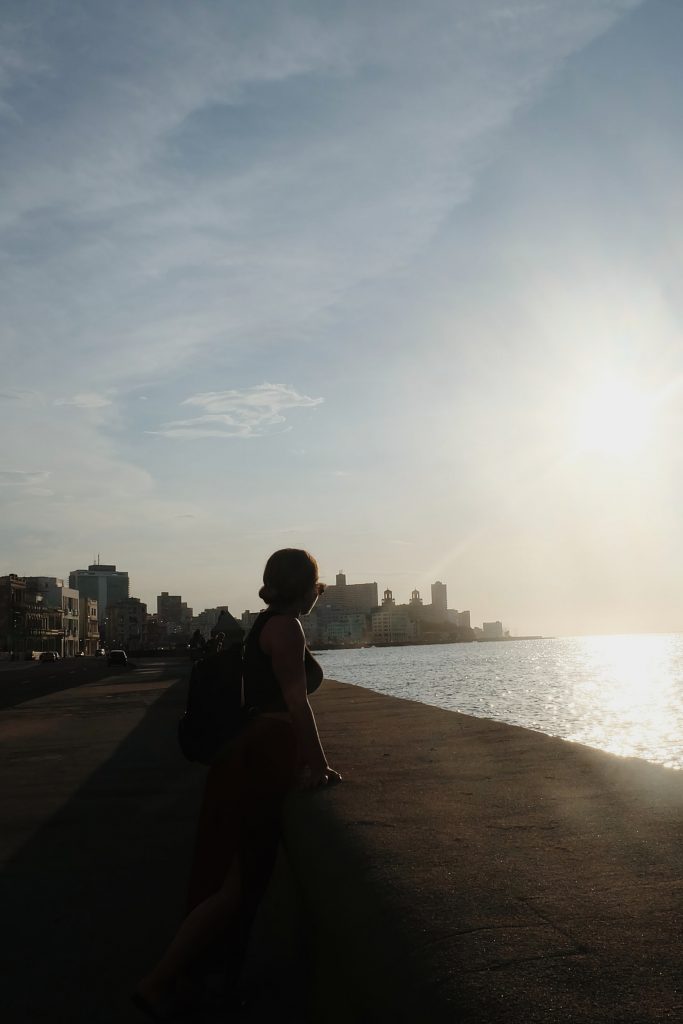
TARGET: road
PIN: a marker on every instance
(21, 681)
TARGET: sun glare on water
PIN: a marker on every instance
(632, 688)
(615, 419)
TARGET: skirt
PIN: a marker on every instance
(241, 811)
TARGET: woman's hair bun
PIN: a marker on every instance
(289, 574)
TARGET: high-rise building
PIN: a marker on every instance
(461, 619)
(392, 625)
(349, 597)
(170, 607)
(173, 614)
(342, 613)
(439, 602)
(103, 583)
(492, 630)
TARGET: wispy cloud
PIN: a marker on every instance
(17, 63)
(23, 477)
(251, 412)
(246, 174)
(17, 395)
(86, 400)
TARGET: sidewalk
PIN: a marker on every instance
(476, 872)
(98, 810)
(465, 871)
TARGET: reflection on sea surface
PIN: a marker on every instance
(623, 694)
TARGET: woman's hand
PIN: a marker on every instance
(325, 776)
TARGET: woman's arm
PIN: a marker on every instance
(284, 642)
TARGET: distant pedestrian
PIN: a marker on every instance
(239, 824)
(197, 646)
(197, 640)
(214, 644)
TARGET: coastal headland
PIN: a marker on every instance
(465, 870)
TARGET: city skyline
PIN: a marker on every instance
(394, 283)
(153, 602)
(199, 608)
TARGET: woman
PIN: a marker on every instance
(238, 828)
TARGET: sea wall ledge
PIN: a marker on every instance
(467, 870)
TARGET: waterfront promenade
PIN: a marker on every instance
(464, 871)
(473, 871)
(98, 810)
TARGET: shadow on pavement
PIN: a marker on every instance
(96, 894)
(21, 685)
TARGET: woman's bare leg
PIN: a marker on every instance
(201, 926)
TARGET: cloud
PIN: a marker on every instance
(251, 412)
(215, 178)
(22, 478)
(16, 395)
(86, 400)
(17, 64)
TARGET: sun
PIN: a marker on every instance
(614, 419)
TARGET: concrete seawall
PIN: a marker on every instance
(471, 871)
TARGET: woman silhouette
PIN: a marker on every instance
(239, 823)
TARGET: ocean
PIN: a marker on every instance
(622, 694)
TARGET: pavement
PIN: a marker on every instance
(98, 810)
(471, 871)
(464, 871)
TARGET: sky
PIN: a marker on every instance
(395, 283)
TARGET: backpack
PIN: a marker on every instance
(214, 710)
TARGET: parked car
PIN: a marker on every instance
(117, 658)
(100, 652)
(48, 656)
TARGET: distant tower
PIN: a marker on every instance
(439, 602)
(102, 583)
(388, 599)
(415, 597)
(340, 579)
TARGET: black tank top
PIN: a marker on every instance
(261, 688)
